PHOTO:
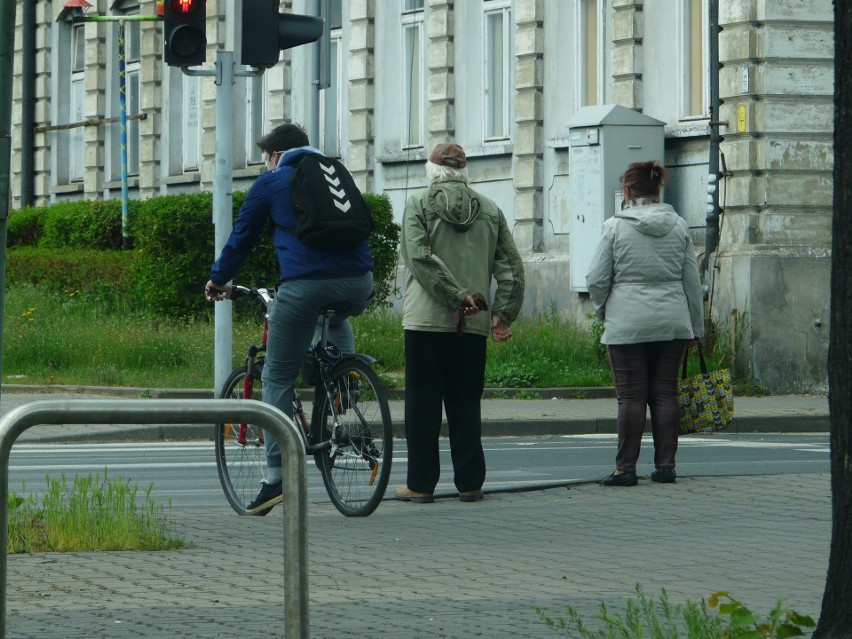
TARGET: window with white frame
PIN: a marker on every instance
(133, 55)
(590, 52)
(413, 75)
(694, 43)
(497, 23)
(331, 97)
(78, 99)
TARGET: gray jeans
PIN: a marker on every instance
(292, 324)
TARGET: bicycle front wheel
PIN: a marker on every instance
(351, 425)
(240, 450)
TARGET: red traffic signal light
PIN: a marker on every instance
(185, 32)
(266, 32)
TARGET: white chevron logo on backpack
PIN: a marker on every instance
(338, 194)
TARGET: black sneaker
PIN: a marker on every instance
(627, 478)
(269, 495)
(664, 476)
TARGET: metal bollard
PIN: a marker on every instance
(176, 411)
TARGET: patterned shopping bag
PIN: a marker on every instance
(706, 400)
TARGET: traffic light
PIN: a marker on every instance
(266, 32)
(185, 32)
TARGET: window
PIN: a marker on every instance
(590, 53)
(133, 58)
(78, 99)
(413, 76)
(695, 59)
(331, 97)
(497, 70)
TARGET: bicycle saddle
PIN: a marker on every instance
(336, 307)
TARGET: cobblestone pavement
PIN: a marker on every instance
(450, 569)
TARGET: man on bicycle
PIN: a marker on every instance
(310, 279)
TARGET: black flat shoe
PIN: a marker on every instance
(664, 476)
(627, 478)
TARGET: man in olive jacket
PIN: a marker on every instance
(455, 241)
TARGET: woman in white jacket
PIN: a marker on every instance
(645, 287)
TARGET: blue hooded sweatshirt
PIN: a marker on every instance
(269, 197)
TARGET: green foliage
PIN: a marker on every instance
(69, 338)
(527, 394)
(546, 350)
(596, 329)
(384, 243)
(25, 226)
(742, 623)
(511, 375)
(645, 618)
(86, 224)
(379, 334)
(93, 513)
(174, 239)
(105, 275)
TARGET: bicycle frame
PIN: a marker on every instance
(348, 431)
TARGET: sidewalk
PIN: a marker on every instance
(774, 414)
(450, 569)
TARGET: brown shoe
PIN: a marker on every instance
(471, 495)
(406, 494)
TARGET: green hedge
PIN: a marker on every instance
(76, 245)
(25, 226)
(175, 241)
(108, 275)
(384, 242)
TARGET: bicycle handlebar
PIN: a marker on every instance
(262, 295)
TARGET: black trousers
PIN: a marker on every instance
(444, 368)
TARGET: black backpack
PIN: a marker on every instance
(331, 213)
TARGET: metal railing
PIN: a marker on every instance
(176, 411)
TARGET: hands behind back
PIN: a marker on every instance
(500, 331)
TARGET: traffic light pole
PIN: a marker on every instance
(223, 199)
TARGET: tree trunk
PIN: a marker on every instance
(836, 616)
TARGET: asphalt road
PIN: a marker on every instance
(184, 473)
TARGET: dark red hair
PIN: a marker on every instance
(644, 179)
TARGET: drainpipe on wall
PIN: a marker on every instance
(28, 82)
(711, 242)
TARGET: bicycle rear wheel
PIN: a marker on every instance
(240, 451)
(355, 437)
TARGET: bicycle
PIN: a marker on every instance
(349, 434)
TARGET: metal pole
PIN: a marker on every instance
(174, 411)
(223, 206)
(7, 53)
(122, 114)
(28, 102)
(711, 242)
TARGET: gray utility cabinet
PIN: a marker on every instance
(603, 141)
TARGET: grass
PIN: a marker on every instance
(720, 617)
(92, 513)
(64, 338)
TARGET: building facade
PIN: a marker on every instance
(550, 99)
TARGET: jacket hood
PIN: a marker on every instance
(650, 219)
(454, 202)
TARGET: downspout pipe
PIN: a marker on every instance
(28, 84)
(711, 241)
